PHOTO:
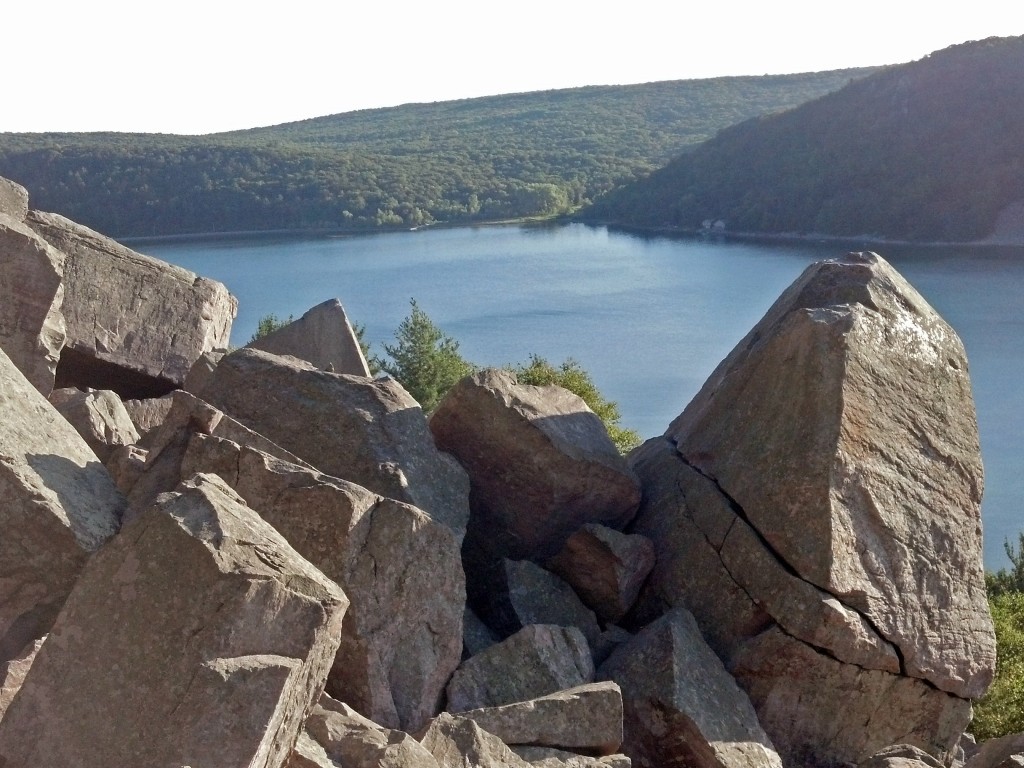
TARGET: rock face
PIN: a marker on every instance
(98, 416)
(196, 637)
(369, 432)
(681, 707)
(134, 324)
(323, 336)
(59, 507)
(13, 200)
(459, 743)
(817, 508)
(535, 661)
(402, 636)
(32, 329)
(540, 463)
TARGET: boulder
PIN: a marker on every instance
(12, 674)
(336, 736)
(901, 756)
(546, 757)
(13, 200)
(367, 431)
(537, 660)
(98, 416)
(817, 508)
(606, 568)
(32, 327)
(1003, 752)
(681, 707)
(475, 634)
(149, 413)
(459, 743)
(587, 719)
(60, 506)
(540, 463)
(323, 336)
(195, 637)
(134, 324)
(522, 593)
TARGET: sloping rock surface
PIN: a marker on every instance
(59, 506)
(13, 200)
(196, 637)
(98, 416)
(323, 336)
(132, 321)
(459, 743)
(367, 431)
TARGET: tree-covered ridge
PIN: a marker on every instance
(929, 150)
(470, 160)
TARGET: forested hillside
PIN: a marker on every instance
(927, 151)
(472, 160)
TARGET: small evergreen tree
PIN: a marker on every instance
(268, 324)
(1012, 580)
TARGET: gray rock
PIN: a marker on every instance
(195, 637)
(476, 636)
(540, 462)
(901, 756)
(606, 568)
(134, 324)
(459, 743)
(323, 336)
(1003, 752)
(681, 706)
(13, 200)
(98, 416)
(537, 660)
(12, 674)
(587, 718)
(546, 757)
(369, 432)
(148, 414)
(32, 328)
(60, 506)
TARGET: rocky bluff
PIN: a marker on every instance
(268, 558)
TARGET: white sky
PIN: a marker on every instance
(191, 66)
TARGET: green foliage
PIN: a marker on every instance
(1012, 580)
(926, 151)
(571, 376)
(424, 359)
(268, 324)
(360, 331)
(1001, 710)
(533, 154)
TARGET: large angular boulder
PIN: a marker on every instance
(195, 637)
(817, 508)
(537, 660)
(459, 743)
(402, 636)
(367, 431)
(32, 328)
(59, 506)
(98, 416)
(135, 324)
(548, 757)
(681, 706)
(540, 463)
(13, 200)
(323, 336)
(12, 674)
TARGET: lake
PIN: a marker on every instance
(649, 317)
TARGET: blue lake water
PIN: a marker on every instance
(649, 317)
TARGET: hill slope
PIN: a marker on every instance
(929, 150)
(471, 160)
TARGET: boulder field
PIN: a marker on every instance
(267, 558)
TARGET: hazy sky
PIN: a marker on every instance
(198, 67)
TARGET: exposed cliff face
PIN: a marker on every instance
(809, 524)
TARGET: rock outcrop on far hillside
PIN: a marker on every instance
(294, 569)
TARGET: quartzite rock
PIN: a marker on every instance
(99, 417)
(59, 506)
(537, 660)
(323, 336)
(402, 636)
(32, 328)
(366, 431)
(148, 414)
(134, 324)
(196, 637)
(13, 200)
(681, 707)
(540, 463)
(587, 718)
(606, 568)
(459, 743)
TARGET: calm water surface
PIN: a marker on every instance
(650, 318)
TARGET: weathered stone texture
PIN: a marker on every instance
(13, 200)
(459, 743)
(133, 312)
(98, 416)
(196, 637)
(366, 431)
(59, 506)
(12, 674)
(323, 336)
(148, 414)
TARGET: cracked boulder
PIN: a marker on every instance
(135, 324)
(323, 336)
(817, 508)
(197, 637)
(366, 431)
(99, 416)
